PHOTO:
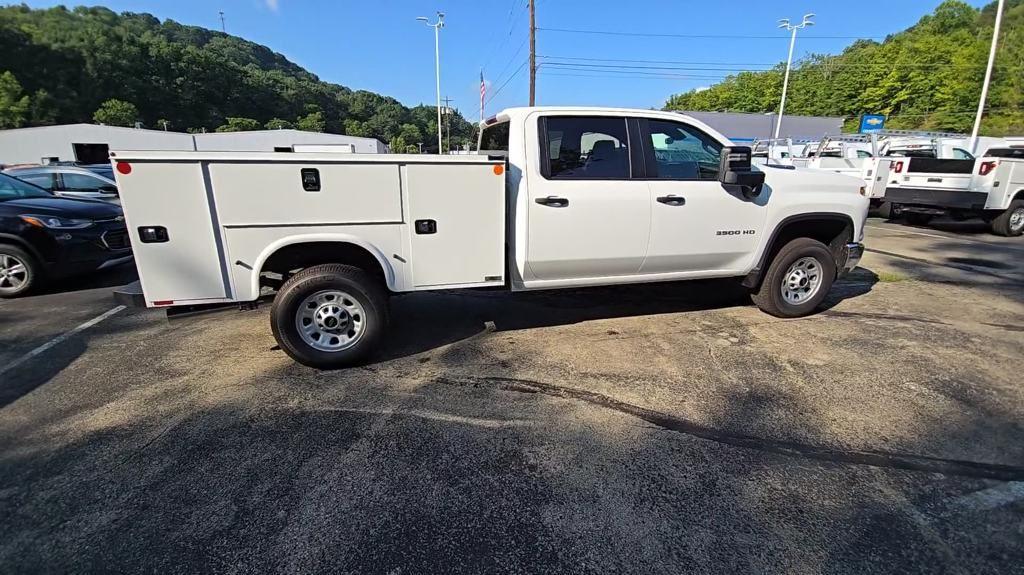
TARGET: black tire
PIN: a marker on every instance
(369, 299)
(1010, 223)
(885, 210)
(916, 219)
(769, 297)
(27, 273)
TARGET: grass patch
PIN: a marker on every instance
(891, 277)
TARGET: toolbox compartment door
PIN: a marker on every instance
(174, 232)
(457, 224)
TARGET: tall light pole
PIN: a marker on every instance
(437, 67)
(988, 78)
(784, 23)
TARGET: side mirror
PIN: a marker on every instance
(734, 169)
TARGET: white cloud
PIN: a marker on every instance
(272, 4)
(701, 88)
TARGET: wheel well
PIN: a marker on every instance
(832, 230)
(291, 258)
(1019, 195)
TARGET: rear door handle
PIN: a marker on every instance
(553, 201)
(673, 200)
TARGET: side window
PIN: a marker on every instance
(682, 152)
(586, 148)
(959, 154)
(863, 154)
(44, 181)
(81, 182)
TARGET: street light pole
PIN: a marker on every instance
(784, 23)
(988, 78)
(437, 67)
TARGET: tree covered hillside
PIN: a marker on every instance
(927, 77)
(92, 64)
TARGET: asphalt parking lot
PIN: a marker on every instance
(664, 428)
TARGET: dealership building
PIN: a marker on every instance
(91, 143)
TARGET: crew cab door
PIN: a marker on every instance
(697, 225)
(587, 217)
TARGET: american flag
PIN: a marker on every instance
(483, 92)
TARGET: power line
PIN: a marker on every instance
(834, 64)
(499, 44)
(515, 54)
(638, 76)
(705, 36)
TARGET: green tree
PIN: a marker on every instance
(278, 124)
(235, 124)
(42, 109)
(115, 112)
(354, 127)
(312, 122)
(14, 105)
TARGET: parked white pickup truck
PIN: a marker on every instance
(559, 197)
(990, 187)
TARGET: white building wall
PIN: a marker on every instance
(33, 145)
(267, 140)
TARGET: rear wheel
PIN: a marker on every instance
(1011, 222)
(19, 272)
(329, 316)
(798, 279)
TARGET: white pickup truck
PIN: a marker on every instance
(559, 197)
(990, 187)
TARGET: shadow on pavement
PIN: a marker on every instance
(421, 322)
(114, 277)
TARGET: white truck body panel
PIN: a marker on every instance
(1001, 184)
(226, 213)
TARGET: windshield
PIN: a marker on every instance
(15, 189)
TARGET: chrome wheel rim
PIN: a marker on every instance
(13, 273)
(330, 320)
(1017, 219)
(802, 281)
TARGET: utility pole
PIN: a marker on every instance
(437, 67)
(784, 23)
(222, 28)
(533, 53)
(988, 78)
(448, 122)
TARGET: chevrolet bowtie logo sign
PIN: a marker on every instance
(874, 121)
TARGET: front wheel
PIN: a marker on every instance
(329, 316)
(798, 279)
(1011, 222)
(19, 272)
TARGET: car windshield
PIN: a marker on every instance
(12, 188)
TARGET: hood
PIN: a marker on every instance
(65, 207)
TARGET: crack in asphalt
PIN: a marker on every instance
(873, 458)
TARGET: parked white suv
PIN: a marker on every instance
(559, 197)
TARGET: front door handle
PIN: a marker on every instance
(553, 202)
(673, 200)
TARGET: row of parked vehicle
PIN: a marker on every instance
(921, 175)
(56, 222)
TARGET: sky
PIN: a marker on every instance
(598, 52)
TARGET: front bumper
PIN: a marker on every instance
(854, 251)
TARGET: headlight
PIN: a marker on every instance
(55, 223)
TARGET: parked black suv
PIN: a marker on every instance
(45, 237)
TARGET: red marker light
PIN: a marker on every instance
(898, 168)
(124, 168)
(986, 168)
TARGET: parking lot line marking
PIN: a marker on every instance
(940, 236)
(62, 338)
